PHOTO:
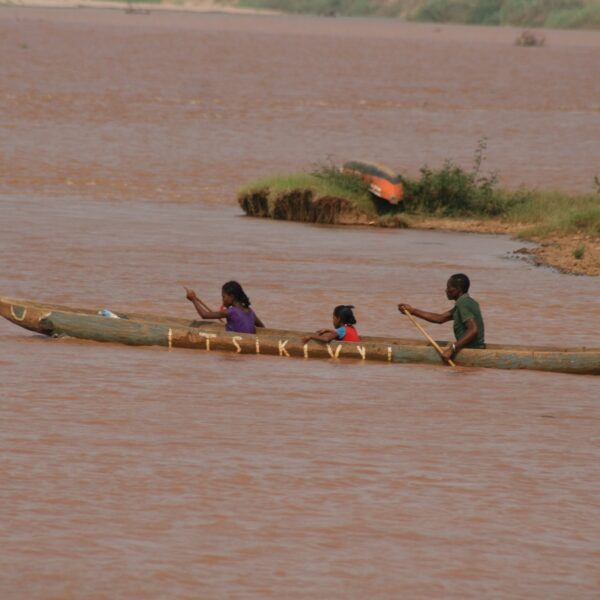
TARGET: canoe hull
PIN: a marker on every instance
(154, 330)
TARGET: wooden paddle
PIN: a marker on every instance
(424, 332)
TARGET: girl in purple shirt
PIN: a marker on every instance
(236, 309)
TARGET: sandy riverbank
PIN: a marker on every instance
(558, 252)
(203, 6)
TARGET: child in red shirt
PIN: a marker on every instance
(343, 321)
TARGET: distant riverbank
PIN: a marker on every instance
(570, 14)
(208, 6)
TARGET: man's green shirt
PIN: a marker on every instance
(466, 308)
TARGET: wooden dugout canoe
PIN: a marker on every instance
(141, 329)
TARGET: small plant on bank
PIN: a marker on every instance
(579, 252)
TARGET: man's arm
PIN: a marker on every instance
(425, 315)
(470, 334)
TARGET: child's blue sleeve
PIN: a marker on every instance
(341, 331)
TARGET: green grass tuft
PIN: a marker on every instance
(579, 252)
(552, 212)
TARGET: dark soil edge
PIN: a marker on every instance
(301, 205)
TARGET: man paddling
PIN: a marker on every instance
(466, 314)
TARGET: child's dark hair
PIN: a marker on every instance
(233, 288)
(344, 313)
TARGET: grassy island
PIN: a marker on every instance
(566, 227)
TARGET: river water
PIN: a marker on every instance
(148, 473)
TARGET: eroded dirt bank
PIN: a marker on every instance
(302, 205)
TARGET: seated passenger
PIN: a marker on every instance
(343, 321)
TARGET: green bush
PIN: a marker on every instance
(444, 11)
(585, 220)
(531, 13)
(486, 12)
(587, 17)
(452, 191)
(535, 14)
(554, 212)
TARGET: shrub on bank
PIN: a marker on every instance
(454, 192)
(586, 17)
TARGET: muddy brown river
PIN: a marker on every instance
(146, 473)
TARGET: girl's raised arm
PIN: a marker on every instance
(201, 307)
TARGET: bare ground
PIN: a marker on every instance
(557, 252)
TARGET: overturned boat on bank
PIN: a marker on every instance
(382, 181)
(143, 329)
